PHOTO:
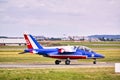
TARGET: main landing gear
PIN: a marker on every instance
(67, 62)
(57, 62)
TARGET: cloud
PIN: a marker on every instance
(63, 15)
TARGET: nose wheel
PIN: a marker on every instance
(94, 62)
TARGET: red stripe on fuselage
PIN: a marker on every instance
(29, 46)
(70, 57)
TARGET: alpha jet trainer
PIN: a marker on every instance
(61, 53)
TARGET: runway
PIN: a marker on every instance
(82, 65)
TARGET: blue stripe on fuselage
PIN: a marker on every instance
(46, 51)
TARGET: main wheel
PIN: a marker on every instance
(67, 62)
(57, 62)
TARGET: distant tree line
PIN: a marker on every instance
(106, 39)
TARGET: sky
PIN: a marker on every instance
(56, 18)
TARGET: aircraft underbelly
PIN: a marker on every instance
(68, 56)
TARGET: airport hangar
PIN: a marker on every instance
(12, 41)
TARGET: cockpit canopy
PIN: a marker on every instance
(84, 48)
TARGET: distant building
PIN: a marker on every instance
(17, 41)
(40, 38)
(12, 41)
(106, 37)
(116, 39)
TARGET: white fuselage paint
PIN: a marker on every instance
(66, 48)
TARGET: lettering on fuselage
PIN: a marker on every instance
(28, 42)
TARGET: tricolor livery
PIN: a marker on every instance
(66, 53)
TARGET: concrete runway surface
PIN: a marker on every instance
(82, 65)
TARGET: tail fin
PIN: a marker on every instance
(31, 42)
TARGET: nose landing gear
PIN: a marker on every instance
(94, 62)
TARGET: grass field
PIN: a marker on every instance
(9, 54)
(105, 44)
(59, 74)
(111, 55)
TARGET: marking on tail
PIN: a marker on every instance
(31, 42)
(35, 43)
(29, 46)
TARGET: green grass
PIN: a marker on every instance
(106, 44)
(86, 42)
(111, 55)
(93, 44)
(9, 54)
(59, 74)
(14, 57)
(111, 50)
(12, 47)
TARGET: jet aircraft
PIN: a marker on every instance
(61, 53)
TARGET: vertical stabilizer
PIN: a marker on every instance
(31, 42)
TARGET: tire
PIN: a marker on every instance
(67, 62)
(94, 62)
(57, 62)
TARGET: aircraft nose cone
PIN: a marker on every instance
(102, 56)
(99, 56)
